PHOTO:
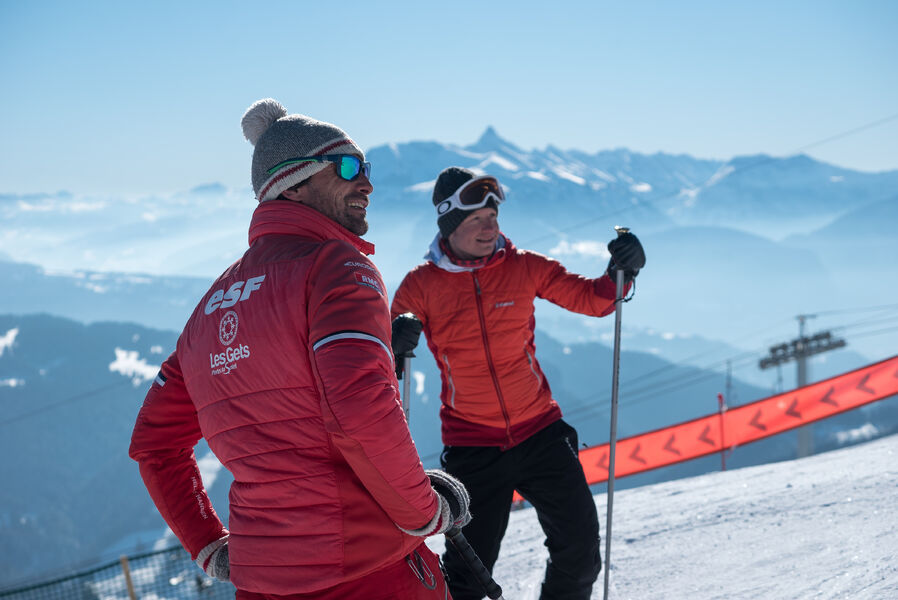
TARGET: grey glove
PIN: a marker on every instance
(455, 494)
(214, 560)
(453, 509)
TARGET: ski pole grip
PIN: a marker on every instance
(474, 563)
(621, 230)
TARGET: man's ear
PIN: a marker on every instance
(297, 194)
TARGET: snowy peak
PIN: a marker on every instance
(491, 141)
(607, 177)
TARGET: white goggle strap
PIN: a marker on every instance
(453, 201)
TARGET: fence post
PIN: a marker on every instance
(126, 569)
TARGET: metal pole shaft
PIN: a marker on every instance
(805, 432)
(406, 386)
(613, 438)
(721, 408)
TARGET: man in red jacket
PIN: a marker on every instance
(285, 369)
(501, 428)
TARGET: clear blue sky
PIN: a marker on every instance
(127, 97)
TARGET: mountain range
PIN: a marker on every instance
(730, 244)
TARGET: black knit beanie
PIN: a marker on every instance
(449, 180)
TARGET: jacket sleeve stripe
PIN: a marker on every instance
(352, 335)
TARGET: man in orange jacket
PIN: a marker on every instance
(501, 428)
(285, 369)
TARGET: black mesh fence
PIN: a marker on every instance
(164, 574)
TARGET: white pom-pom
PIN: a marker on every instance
(259, 117)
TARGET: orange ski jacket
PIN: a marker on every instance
(479, 326)
(285, 369)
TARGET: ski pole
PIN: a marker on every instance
(405, 331)
(619, 274)
(406, 385)
(492, 589)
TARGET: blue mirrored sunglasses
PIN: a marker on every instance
(348, 165)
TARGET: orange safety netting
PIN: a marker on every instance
(743, 424)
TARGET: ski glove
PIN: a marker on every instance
(214, 560)
(456, 496)
(627, 255)
(454, 503)
(406, 331)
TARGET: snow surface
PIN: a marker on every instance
(538, 175)
(495, 159)
(129, 364)
(820, 527)
(8, 339)
(569, 176)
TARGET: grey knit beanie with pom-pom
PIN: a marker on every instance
(278, 137)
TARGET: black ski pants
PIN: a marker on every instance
(545, 470)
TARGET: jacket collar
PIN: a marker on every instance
(436, 255)
(285, 217)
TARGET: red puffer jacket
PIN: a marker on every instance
(285, 368)
(479, 326)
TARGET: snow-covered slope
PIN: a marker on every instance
(819, 527)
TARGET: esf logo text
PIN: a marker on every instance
(236, 293)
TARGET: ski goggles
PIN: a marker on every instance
(474, 194)
(348, 166)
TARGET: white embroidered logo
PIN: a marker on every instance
(236, 293)
(225, 362)
(227, 328)
(368, 280)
